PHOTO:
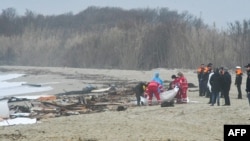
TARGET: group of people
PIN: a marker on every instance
(203, 76)
(155, 87)
(215, 83)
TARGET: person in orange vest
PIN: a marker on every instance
(200, 72)
(238, 80)
(153, 88)
(183, 85)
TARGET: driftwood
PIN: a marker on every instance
(83, 91)
(33, 85)
(64, 107)
(105, 103)
(74, 92)
(46, 110)
(195, 90)
(191, 85)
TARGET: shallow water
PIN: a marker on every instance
(17, 88)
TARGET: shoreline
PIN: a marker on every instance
(10, 87)
(192, 121)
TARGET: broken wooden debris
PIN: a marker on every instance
(70, 103)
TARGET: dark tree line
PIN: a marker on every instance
(121, 39)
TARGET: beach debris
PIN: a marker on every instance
(18, 120)
(195, 90)
(191, 85)
(33, 85)
(4, 112)
(121, 108)
(30, 109)
(167, 104)
(85, 90)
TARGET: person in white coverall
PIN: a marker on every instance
(209, 86)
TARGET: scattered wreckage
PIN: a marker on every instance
(30, 109)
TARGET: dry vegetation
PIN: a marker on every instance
(121, 39)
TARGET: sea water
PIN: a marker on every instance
(17, 88)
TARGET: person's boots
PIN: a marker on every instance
(150, 103)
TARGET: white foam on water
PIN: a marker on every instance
(4, 77)
(16, 88)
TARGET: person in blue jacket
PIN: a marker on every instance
(157, 78)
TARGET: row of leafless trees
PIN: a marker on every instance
(121, 39)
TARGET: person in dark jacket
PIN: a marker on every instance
(216, 81)
(139, 91)
(238, 80)
(248, 82)
(227, 80)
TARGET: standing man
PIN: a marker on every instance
(248, 82)
(216, 86)
(227, 80)
(238, 80)
(210, 68)
(206, 73)
(210, 86)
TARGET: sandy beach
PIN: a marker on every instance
(195, 121)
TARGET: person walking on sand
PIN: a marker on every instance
(248, 82)
(238, 80)
(181, 96)
(153, 88)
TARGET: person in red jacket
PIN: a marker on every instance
(183, 85)
(174, 82)
(153, 88)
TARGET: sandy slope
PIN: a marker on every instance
(193, 121)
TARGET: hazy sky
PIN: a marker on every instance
(219, 11)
